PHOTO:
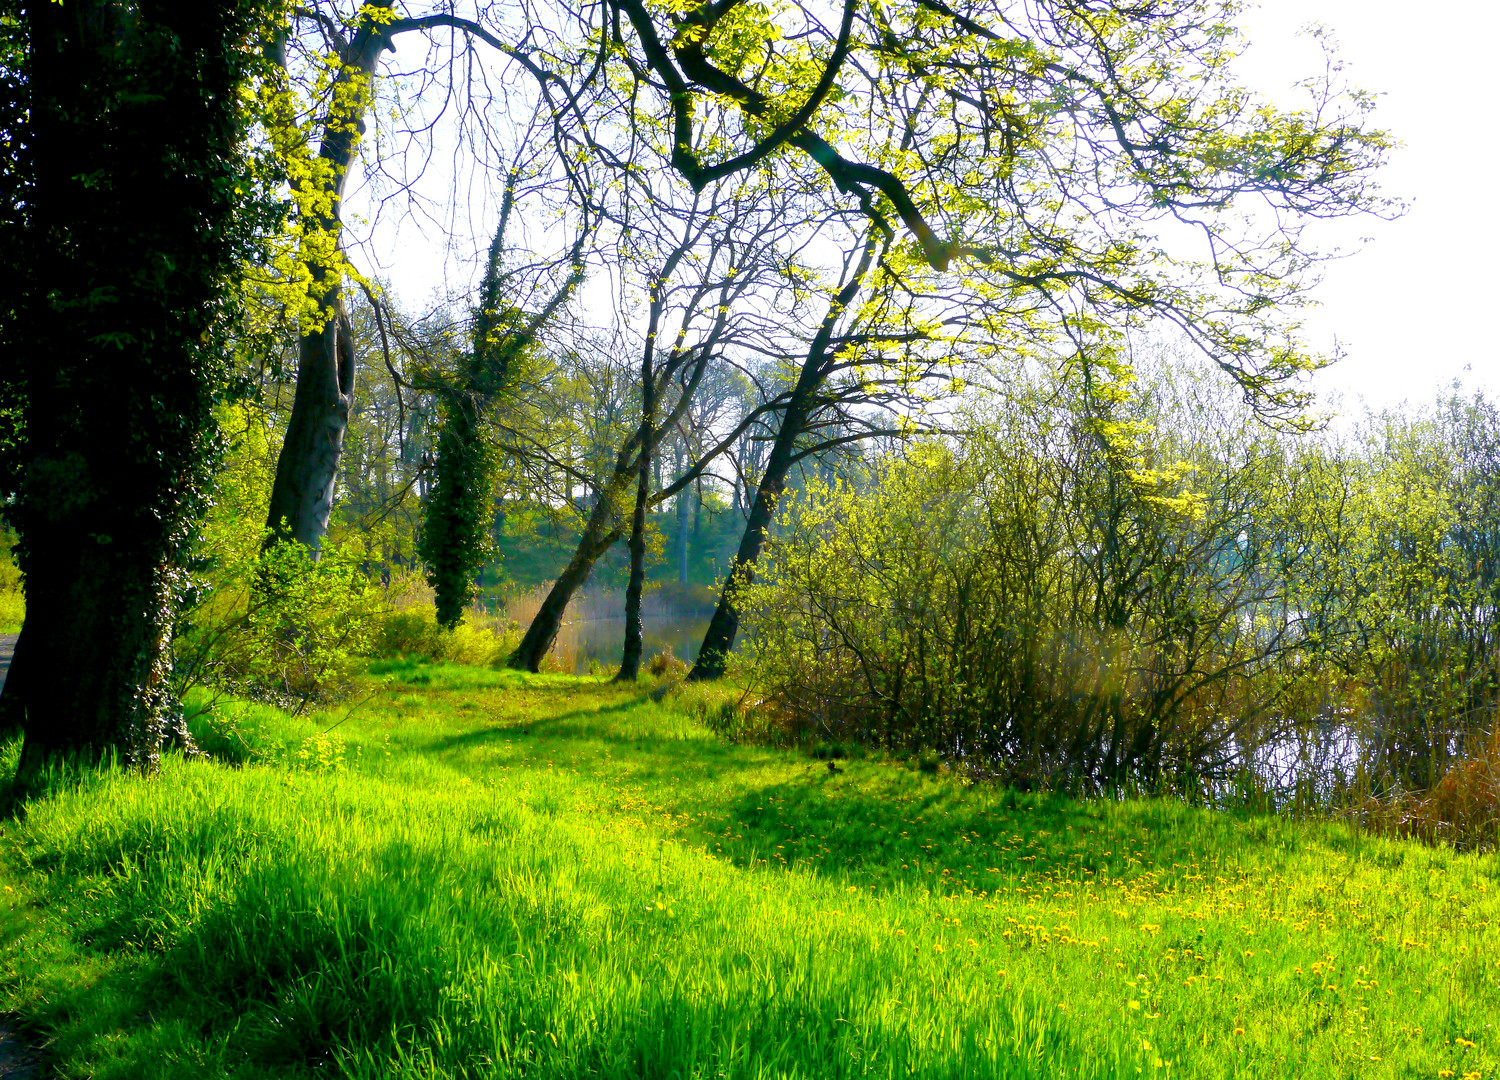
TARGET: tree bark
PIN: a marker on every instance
(118, 335)
(307, 467)
(91, 674)
(630, 660)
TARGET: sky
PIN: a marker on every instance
(1413, 308)
(1416, 307)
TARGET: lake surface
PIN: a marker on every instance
(602, 641)
(593, 630)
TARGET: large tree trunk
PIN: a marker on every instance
(307, 468)
(118, 339)
(91, 670)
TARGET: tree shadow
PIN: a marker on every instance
(884, 828)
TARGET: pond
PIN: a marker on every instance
(601, 641)
(594, 629)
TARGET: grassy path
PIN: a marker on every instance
(487, 874)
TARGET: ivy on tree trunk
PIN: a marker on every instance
(116, 339)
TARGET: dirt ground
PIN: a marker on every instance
(18, 1060)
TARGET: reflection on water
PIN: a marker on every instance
(603, 640)
(593, 631)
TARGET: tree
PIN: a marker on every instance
(821, 361)
(698, 263)
(1060, 158)
(1056, 162)
(456, 528)
(345, 54)
(138, 206)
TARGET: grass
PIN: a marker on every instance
(481, 873)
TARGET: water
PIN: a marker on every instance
(593, 630)
(602, 640)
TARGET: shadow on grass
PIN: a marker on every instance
(884, 827)
(875, 822)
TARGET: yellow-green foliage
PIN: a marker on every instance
(414, 632)
(492, 874)
(12, 596)
(275, 624)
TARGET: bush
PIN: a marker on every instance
(280, 627)
(946, 609)
(665, 665)
(1057, 602)
(12, 595)
(414, 632)
(1461, 810)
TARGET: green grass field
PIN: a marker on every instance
(480, 873)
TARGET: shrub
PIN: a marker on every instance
(12, 596)
(1041, 619)
(665, 665)
(1462, 809)
(280, 627)
(414, 632)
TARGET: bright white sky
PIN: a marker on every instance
(1416, 307)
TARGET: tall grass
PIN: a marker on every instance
(12, 594)
(480, 873)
